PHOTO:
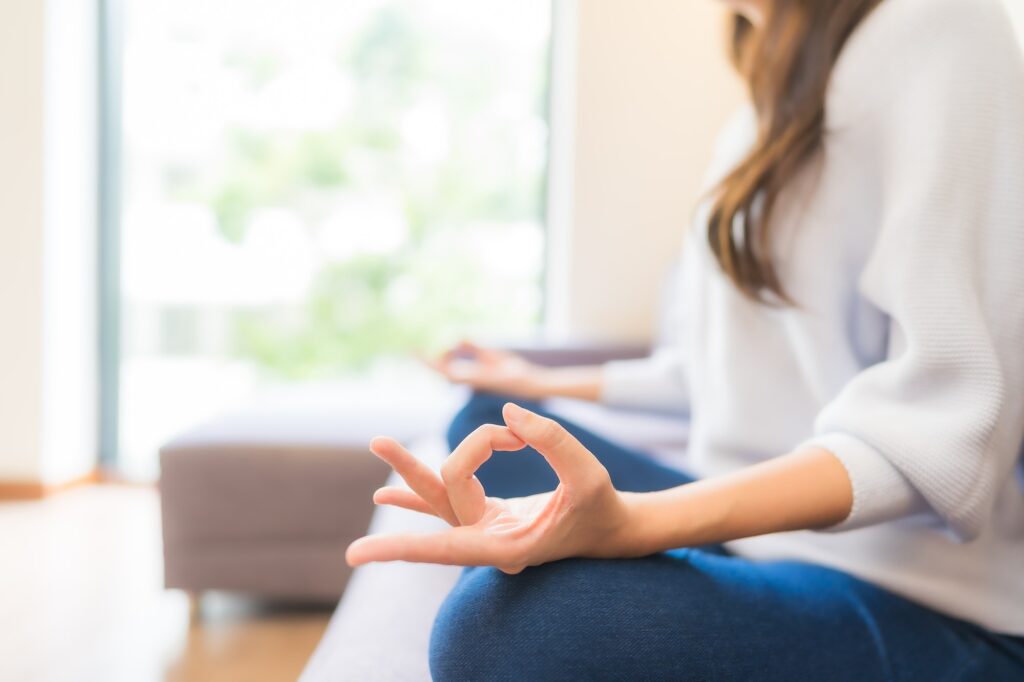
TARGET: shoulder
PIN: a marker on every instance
(937, 49)
(937, 23)
(969, 11)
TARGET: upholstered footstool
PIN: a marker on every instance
(265, 500)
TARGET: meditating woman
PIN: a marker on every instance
(852, 360)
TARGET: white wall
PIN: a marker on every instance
(70, 249)
(652, 86)
(47, 239)
(21, 246)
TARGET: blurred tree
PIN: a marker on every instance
(412, 86)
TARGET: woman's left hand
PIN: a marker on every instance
(583, 517)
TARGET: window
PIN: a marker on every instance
(320, 188)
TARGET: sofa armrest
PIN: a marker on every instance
(559, 355)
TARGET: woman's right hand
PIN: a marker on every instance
(493, 371)
(584, 516)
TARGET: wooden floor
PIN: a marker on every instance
(81, 598)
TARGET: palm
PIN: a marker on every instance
(515, 515)
(507, 530)
(498, 365)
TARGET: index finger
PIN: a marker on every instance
(572, 462)
(465, 492)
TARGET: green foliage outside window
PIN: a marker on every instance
(458, 199)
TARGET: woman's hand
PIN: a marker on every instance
(496, 371)
(584, 516)
(490, 370)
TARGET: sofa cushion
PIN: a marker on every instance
(381, 629)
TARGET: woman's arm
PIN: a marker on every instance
(654, 382)
(582, 383)
(802, 490)
(585, 516)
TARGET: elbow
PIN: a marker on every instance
(965, 527)
(966, 505)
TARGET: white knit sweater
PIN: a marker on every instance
(904, 249)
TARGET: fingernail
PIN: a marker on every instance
(513, 413)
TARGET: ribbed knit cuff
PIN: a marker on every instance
(880, 492)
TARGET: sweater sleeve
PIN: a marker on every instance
(657, 382)
(939, 423)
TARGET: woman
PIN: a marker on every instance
(853, 362)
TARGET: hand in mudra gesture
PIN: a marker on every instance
(491, 370)
(583, 516)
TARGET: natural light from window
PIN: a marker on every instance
(321, 188)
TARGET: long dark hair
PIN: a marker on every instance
(786, 62)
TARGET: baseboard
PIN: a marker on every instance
(37, 490)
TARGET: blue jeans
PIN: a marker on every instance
(687, 614)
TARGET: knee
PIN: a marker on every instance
(495, 626)
(577, 619)
(463, 642)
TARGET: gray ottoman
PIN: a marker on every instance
(265, 500)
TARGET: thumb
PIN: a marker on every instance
(566, 455)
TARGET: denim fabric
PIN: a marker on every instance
(525, 472)
(688, 614)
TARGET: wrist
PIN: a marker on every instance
(670, 519)
(581, 383)
(639, 530)
(539, 383)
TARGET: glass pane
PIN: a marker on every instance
(321, 188)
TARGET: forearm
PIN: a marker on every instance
(582, 383)
(802, 490)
